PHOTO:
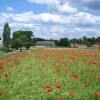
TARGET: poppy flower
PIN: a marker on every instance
(48, 88)
(97, 95)
(58, 98)
(68, 69)
(98, 79)
(75, 76)
(58, 86)
(71, 93)
(1, 94)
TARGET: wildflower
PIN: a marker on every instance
(98, 79)
(1, 94)
(58, 86)
(48, 88)
(58, 98)
(71, 93)
(68, 69)
(75, 76)
(97, 95)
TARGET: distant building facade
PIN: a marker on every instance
(1, 44)
(97, 45)
(78, 46)
(45, 44)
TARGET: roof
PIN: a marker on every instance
(45, 43)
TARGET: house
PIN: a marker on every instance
(45, 44)
(1, 44)
(78, 46)
(97, 45)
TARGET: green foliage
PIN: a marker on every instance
(6, 36)
(64, 42)
(91, 41)
(22, 39)
(98, 39)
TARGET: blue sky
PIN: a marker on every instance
(52, 19)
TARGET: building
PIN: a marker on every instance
(97, 45)
(1, 44)
(45, 44)
(78, 46)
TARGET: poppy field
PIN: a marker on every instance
(50, 74)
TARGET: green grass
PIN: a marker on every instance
(28, 79)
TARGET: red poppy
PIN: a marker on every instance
(58, 98)
(71, 93)
(1, 94)
(58, 86)
(75, 76)
(98, 79)
(48, 88)
(97, 95)
(68, 69)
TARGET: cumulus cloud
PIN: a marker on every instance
(93, 4)
(57, 5)
(9, 9)
(81, 18)
(66, 8)
(53, 25)
(85, 19)
(49, 2)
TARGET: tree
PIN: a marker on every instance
(80, 41)
(91, 41)
(85, 40)
(64, 42)
(22, 39)
(98, 39)
(6, 36)
(57, 42)
(27, 39)
(74, 41)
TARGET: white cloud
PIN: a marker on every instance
(48, 17)
(49, 2)
(81, 18)
(2, 20)
(85, 19)
(56, 5)
(66, 8)
(40, 23)
(9, 9)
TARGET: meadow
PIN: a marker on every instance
(50, 74)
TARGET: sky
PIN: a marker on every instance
(52, 19)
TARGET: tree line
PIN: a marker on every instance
(26, 39)
(66, 42)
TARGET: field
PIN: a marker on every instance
(50, 74)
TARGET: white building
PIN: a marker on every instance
(1, 44)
